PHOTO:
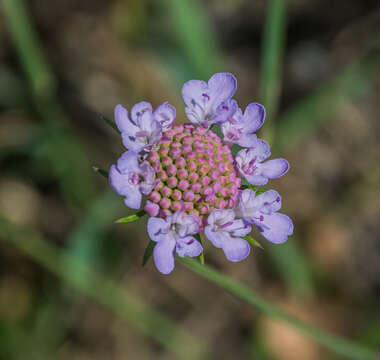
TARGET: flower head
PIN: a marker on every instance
(250, 164)
(261, 211)
(191, 178)
(209, 103)
(225, 232)
(131, 179)
(173, 235)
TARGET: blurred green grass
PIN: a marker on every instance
(198, 41)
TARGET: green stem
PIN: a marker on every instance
(103, 290)
(337, 344)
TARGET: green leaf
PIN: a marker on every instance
(252, 241)
(110, 123)
(148, 252)
(100, 171)
(131, 218)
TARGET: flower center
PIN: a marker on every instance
(195, 171)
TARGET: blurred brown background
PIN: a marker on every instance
(92, 55)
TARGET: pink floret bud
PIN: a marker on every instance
(172, 182)
(177, 195)
(180, 162)
(151, 208)
(178, 128)
(216, 187)
(166, 192)
(155, 196)
(171, 169)
(189, 206)
(221, 168)
(192, 165)
(183, 184)
(162, 175)
(204, 169)
(193, 176)
(182, 173)
(214, 175)
(176, 206)
(190, 155)
(205, 180)
(164, 150)
(188, 195)
(207, 190)
(165, 203)
(196, 187)
(221, 204)
(175, 152)
(153, 155)
(167, 160)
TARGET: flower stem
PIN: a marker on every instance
(335, 343)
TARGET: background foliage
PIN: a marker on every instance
(71, 281)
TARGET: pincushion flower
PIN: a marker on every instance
(131, 179)
(209, 103)
(239, 128)
(173, 235)
(189, 178)
(225, 232)
(261, 211)
(250, 163)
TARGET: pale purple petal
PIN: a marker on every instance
(214, 236)
(258, 180)
(222, 87)
(157, 228)
(119, 181)
(247, 140)
(218, 217)
(225, 111)
(192, 92)
(133, 198)
(165, 114)
(122, 120)
(185, 224)
(276, 227)
(131, 143)
(163, 255)
(275, 168)
(268, 202)
(254, 117)
(235, 248)
(139, 109)
(261, 150)
(188, 246)
(239, 228)
(128, 162)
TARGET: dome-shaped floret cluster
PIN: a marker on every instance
(195, 172)
(191, 181)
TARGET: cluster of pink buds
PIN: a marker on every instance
(191, 179)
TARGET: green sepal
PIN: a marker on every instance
(202, 255)
(100, 171)
(148, 252)
(110, 123)
(131, 218)
(252, 241)
(257, 189)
